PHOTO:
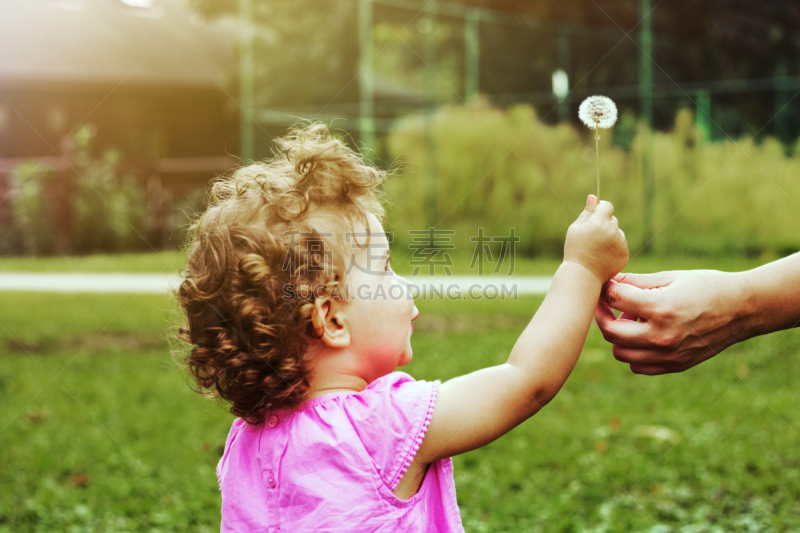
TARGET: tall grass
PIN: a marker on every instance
(502, 168)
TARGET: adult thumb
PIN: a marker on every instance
(646, 281)
(629, 299)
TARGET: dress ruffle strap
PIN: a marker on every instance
(412, 446)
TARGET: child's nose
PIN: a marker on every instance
(405, 283)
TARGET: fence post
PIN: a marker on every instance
(703, 115)
(431, 10)
(366, 80)
(472, 58)
(781, 101)
(565, 64)
(646, 104)
(246, 67)
(155, 210)
(166, 210)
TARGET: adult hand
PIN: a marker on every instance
(672, 321)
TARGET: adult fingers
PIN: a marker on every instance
(620, 331)
(644, 356)
(604, 209)
(629, 299)
(652, 370)
(646, 281)
(603, 313)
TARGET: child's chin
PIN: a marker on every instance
(406, 358)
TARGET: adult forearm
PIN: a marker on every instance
(773, 296)
(547, 350)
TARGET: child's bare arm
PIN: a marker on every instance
(477, 408)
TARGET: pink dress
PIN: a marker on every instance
(332, 464)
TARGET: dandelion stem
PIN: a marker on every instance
(597, 155)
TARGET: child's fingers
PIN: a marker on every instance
(591, 204)
(604, 209)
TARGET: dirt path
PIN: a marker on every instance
(451, 286)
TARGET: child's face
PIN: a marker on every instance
(380, 312)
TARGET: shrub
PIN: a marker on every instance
(186, 209)
(32, 232)
(106, 205)
(109, 206)
(500, 168)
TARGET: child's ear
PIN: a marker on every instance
(328, 320)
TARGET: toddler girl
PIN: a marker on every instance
(296, 318)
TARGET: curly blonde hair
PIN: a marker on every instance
(274, 224)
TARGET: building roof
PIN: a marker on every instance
(110, 41)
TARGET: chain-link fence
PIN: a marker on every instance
(414, 54)
(376, 61)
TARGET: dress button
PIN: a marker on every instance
(271, 482)
(272, 421)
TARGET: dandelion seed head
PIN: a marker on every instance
(598, 112)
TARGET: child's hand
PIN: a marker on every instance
(595, 241)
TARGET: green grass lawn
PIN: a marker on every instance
(100, 431)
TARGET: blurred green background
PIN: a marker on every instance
(116, 114)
